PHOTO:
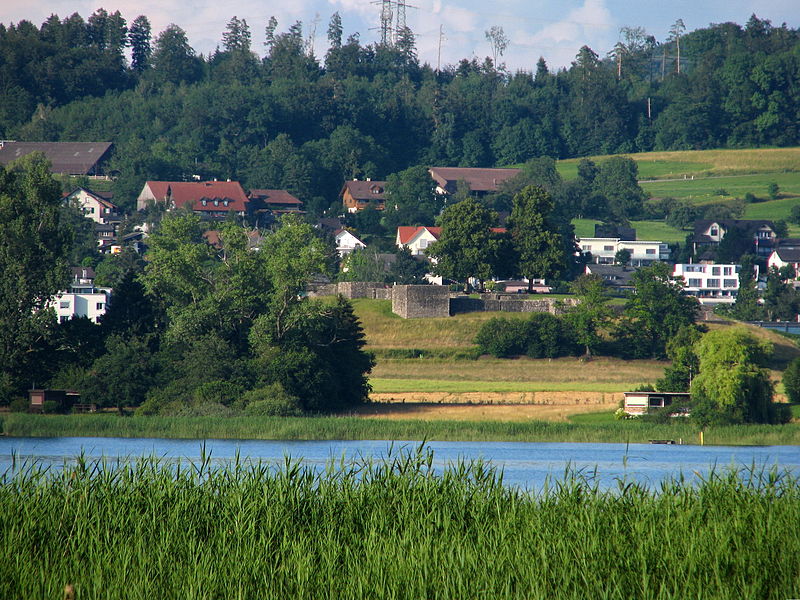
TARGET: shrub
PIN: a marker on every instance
(791, 381)
(51, 407)
(217, 392)
(502, 337)
(750, 197)
(272, 401)
(774, 191)
(19, 405)
(540, 336)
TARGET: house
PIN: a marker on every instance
(604, 230)
(64, 399)
(210, 199)
(643, 253)
(66, 158)
(785, 257)
(710, 283)
(357, 195)
(346, 242)
(618, 278)
(479, 181)
(639, 403)
(277, 202)
(94, 206)
(82, 299)
(709, 233)
(520, 286)
(417, 239)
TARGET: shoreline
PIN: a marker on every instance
(361, 428)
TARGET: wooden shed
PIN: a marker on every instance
(639, 403)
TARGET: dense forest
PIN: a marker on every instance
(296, 121)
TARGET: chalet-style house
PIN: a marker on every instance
(357, 195)
(211, 199)
(66, 158)
(82, 299)
(479, 181)
(102, 211)
(277, 202)
(346, 242)
(708, 234)
(417, 239)
(710, 283)
(784, 257)
(643, 253)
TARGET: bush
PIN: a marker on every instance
(774, 191)
(217, 392)
(540, 336)
(19, 405)
(51, 407)
(749, 197)
(791, 381)
(502, 338)
(271, 401)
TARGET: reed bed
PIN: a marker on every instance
(390, 529)
(359, 428)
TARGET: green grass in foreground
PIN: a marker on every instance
(392, 529)
(355, 428)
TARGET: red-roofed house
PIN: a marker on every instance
(358, 195)
(212, 199)
(417, 239)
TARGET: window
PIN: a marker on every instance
(423, 244)
(715, 271)
(99, 306)
(650, 251)
(608, 248)
(216, 202)
(714, 232)
(586, 248)
(730, 283)
(63, 319)
(695, 283)
(713, 283)
(225, 203)
(727, 270)
(64, 304)
(205, 202)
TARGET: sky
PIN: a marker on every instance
(554, 30)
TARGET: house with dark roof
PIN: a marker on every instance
(277, 202)
(709, 233)
(357, 195)
(66, 158)
(95, 206)
(785, 257)
(618, 278)
(211, 199)
(479, 181)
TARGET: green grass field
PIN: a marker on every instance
(645, 230)
(390, 529)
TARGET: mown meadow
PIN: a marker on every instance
(390, 529)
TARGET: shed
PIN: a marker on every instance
(639, 403)
(64, 398)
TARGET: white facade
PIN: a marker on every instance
(93, 207)
(643, 253)
(419, 240)
(346, 242)
(709, 282)
(89, 304)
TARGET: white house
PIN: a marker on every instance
(417, 239)
(784, 257)
(709, 282)
(643, 252)
(94, 206)
(82, 299)
(346, 242)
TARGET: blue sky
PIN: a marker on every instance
(555, 30)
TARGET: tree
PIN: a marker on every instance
(462, 251)
(411, 198)
(746, 307)
(676, 31)
(534, 236)
(654, 312)
(622, 257)
(173, 58)
(591, 313)
(498, 41)
(617, 181)
(363, 265)
(236, 37)
(791, 381)
(733, 385)
(685, 365)
(34, 245)
(407, 269)
(139, 40)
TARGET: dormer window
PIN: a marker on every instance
(714, 231)
(205, 202)
(216, 202)
(225, 203)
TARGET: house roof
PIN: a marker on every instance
(748, 226)
(192, 193)
(365, 190)
(275, 197)
(72, 158)
(82, 273)
(788, 255)
(478, 180)
(341, 233)
(99, 198)
(612, 274)
(408, 233)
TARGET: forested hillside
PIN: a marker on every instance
(305, 123)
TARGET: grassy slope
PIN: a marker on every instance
(698, 176)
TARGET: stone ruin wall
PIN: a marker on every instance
(420, 301)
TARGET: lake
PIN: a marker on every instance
(527, 465)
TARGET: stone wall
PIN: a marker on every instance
(507, 303)
(351, 289)
(421, 301)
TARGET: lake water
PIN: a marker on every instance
(526, 465)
